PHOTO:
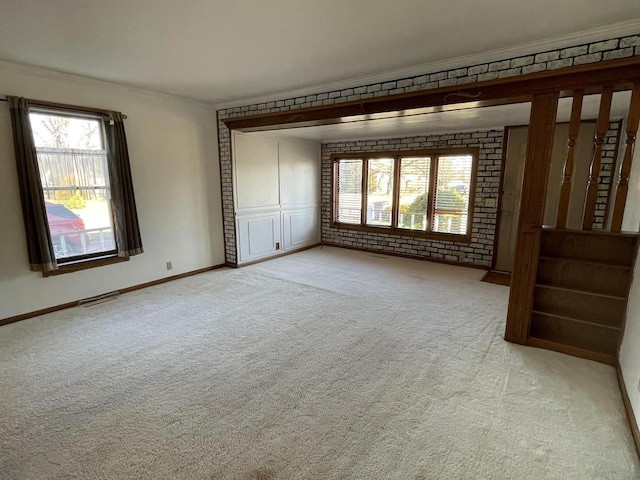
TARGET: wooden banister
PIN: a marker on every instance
(625, 169)
(602, 126)
(565, 189)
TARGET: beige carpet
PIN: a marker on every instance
(326, 364)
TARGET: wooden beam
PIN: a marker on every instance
(602, 125)
(493, 92)
(542, 126)
(627, 160)
(565, 189)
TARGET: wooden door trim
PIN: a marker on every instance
(503, 166)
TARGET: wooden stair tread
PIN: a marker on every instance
(559, 345)
(601, 233)
(595, 263)
(577, 320)
(580, 291)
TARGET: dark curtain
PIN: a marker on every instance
(123, 201)
(41, 254)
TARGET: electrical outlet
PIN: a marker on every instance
(169, 265)
(277, 245)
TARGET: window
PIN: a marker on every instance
(417, 193)
(74, 173)
(75, 186)
(349, 191)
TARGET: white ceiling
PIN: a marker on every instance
(218, 51)
(470, 119)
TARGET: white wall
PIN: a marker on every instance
(631, 220)
(175, 169)
(277, 194)
(630, 350)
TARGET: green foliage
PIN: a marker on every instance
(419, 207)
(452, 199)
(65, 195)
(449, 197)
(75, 201)
(419, 204)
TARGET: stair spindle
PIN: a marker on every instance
(602, 126)
(627, 160)
(565, 189)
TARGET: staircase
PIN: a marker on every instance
(581, 292)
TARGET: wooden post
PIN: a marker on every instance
(542, 126)
(625, 169)
(565, 189)
(594, 172)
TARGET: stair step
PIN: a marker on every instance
(592, 277)
(578, 305)
(577, 320)
(586, 262)
(582, 292)
(560, 346)
(604, 247)
(595, 338)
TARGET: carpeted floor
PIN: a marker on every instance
(326, 364)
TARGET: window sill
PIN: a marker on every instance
(448, 237)
(85, 265)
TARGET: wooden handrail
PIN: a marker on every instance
(602, 126)
(625, 169)
(565, 189)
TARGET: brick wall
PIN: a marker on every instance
(606, 173)
(479, 251)
(535, 62)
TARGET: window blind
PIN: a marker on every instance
(380, 191)
(453, 181)
(349, 190)
(414, 192)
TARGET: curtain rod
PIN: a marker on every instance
(5, 99)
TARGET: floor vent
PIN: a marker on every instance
(90, 302)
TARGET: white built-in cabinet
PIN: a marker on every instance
(276, 194)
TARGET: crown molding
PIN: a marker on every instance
(630, 27)
(88, 81)
(616, 30)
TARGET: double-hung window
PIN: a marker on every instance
(75, 183)
(72, 160)
(418, 193)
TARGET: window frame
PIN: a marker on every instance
(91, 260)
(434, 153)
